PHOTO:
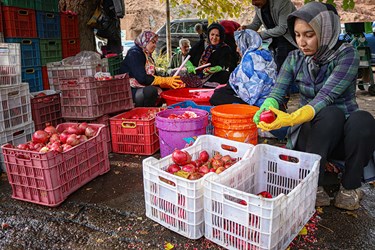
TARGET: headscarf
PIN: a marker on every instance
(247, 39)
(324, 20)
(209, 48)
(144, 38)
(254, 77)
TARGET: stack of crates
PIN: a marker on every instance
(49, 31)
(16, 124)
(19, 19)
(1, 27)
(69, 34)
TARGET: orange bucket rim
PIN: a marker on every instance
(240, 111)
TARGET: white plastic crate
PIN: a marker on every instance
(261, 223)
(10, 64)
(15, 107)
(57, 71)
(176, 202)
(15, 137)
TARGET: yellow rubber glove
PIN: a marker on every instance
(304, 114)
(173, 82)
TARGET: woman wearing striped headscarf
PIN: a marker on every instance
(328, 122)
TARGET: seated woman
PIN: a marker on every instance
(140, 66)
(329, 122)
(213, 51)
(252, 79)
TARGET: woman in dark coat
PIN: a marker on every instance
(213, 51)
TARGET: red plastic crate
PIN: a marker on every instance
(48, 178)
(87, 98)
(45, 78)
(18, 22)
(101, 120)
(1, 20)
(70, 47)
(134, 132)
(46, 109)
(69, 26)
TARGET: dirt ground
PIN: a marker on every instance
(109, 213)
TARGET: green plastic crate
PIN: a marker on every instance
(114, 64)
(26, 4)
(50, 50)
(50, 5)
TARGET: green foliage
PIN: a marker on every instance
(161, 63)
(212, 9)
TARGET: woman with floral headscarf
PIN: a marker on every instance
(140, 66)
(213, 50)
(328, 122)
(252, 79)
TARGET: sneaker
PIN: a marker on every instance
(322, 198)
(348, 199)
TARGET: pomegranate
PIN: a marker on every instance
(181, 157)
(73, 130)
(63, 136)
(267, 116)
(195, 176)
(90, 132)
(217, 163)
(40, 136)
(226, 158)
(173, 168)
(219, 170)
(72, 140)
(82, 127)
(203, 156)
(23, 146)
(190, 168)
(50, 129)
(54, 138)
(203, 169)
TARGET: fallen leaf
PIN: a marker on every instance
(351, 214)
(303, 231)
(99, 240)
(139, 218)
(319, 210)
(168, 246)
(117, 172)
(5, 226)
(143, 232)
(88, 189)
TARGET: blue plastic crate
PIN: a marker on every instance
(30, 51)
(191, 104)
(33, 76)
(48, 24)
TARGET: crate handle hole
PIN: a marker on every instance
(13, 93)
(288, 158)
(128, 125)
(50, 15)
(236, 200)
(22, 157)
(23, 12)
(169, 182)
(229, 148)
(26, 41)
(30, 71)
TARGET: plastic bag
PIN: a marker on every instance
(83, 58)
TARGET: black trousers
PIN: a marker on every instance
(145, 97)
(225, 95)
(331, 136)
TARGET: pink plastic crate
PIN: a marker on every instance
(58, 70)
(87, 98)
(15, 108)
(48, 178)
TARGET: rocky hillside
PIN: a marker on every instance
(138, 17)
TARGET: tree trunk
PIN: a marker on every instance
(84, 9)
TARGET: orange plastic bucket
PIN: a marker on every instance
(235, 122)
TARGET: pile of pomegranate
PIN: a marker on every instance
(184, 166)
(50, 139)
